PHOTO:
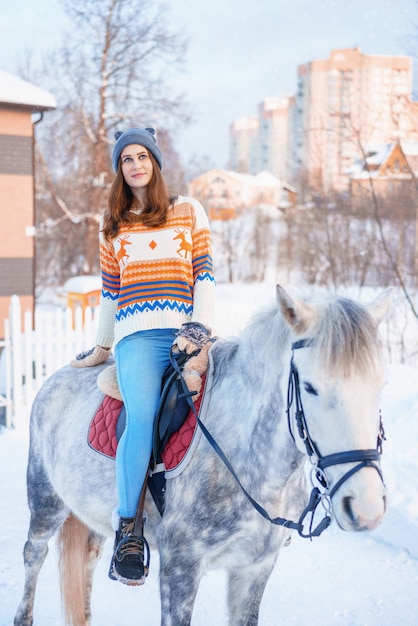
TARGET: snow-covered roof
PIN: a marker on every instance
(83, 284)
(266, 179)
(263, 179)
(376, 155)
(18, 92)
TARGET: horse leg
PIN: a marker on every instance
(44, 523)
(180, 576)
(245, 591)
(95, 548)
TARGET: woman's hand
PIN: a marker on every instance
(92, 357)
(191, 336)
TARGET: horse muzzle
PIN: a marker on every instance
(360, 503)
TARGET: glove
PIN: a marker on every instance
(92, 357)
(191, 336)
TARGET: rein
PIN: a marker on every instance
(366, 458)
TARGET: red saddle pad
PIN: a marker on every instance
(102, 432)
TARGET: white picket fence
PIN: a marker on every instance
(33, 351)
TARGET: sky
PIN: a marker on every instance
(338, 579)
(240, 51)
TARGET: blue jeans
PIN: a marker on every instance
(141, 359)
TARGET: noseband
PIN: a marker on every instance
(363, 458)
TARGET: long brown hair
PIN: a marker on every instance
(121, 199)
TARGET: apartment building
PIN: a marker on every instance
(263, 143)
(346, 102)
(274, 135)
(243, 145)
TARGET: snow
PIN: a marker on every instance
(83, 284)
(262, 179)
(369, 579)
(14, 90)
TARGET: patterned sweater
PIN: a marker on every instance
(157, 277)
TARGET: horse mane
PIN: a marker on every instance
(262, 337)
(346, 338)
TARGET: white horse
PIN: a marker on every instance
(304, 379)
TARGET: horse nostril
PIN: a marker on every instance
(360, 523)
(346, 503)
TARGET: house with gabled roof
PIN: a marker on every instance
(390, 171)
(20, 102)
(226, 194)
(384, 163)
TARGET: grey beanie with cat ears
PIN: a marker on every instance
(141, 136)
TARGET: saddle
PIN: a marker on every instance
(175, 403)
(175, 409)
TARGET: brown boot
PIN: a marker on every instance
(128, 562)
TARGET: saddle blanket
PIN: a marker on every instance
(102, 435)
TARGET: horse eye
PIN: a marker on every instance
(309, 389)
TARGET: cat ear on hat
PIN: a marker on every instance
(151, 131)
(118, 134)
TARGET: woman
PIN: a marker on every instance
(157, 280)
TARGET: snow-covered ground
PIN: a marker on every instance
(338, 578)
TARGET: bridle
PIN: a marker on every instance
(364, 458)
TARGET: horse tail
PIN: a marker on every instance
(73, 550)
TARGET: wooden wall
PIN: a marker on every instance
(16, 210)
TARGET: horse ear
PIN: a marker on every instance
(380, 306)
(299, 315)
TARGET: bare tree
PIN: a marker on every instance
(319, 188)
(113, 71)
(392, 257)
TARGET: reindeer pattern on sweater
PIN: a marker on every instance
(157, 277)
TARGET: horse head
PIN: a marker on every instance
(335, 382)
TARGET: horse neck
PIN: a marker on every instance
(250, 394)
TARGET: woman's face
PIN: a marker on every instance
(137, 168)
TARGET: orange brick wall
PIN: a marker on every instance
(16, 210)
(14, 122)
(16, 207)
